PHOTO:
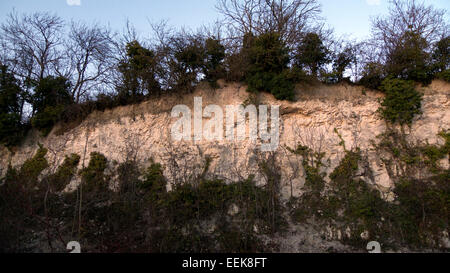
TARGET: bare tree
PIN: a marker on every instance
(90, 57)
(290, 18)
(32, 44)
(408, 15)
(363, 54)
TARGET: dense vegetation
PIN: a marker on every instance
(52, 72)
(140, 214)
(354, 208)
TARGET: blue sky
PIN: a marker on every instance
(347, 17)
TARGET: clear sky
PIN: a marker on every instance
(347, 17)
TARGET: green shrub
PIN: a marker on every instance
(441, 58)
(347, 202)
(372, 76)
(138, 71)
(444, 75)
(310, 203)
(312, 53)
(298, 75)
(51, 91)
(186, 60)
(93, 174)
(49, 100)
(409, 60)
(341, 61)
(22, 197)
(434, 153)
(282, 86)
(33, 167)
(128, 173)
(154, 182)
(347, 167)
(423, 210)
(213, 64)
(401, 103)
(64, 173)
(361, 206)
(11, 129)
(47, 118)
(267, 70)
(419, 213)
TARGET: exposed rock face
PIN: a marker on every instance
(142, 132)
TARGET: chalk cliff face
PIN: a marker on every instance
(320, 114)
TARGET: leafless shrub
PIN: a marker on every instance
(290, 18)
(183, 165)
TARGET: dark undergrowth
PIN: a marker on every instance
(417, 218)
(139, 214)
